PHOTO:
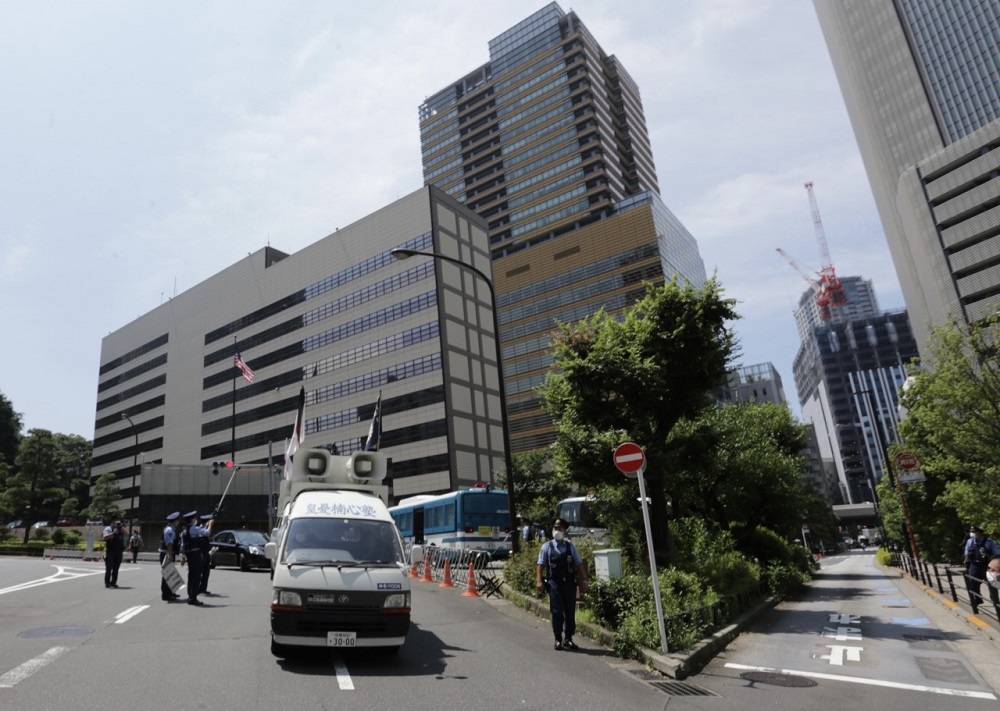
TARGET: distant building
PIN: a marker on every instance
(754, 383)
(848, 377)
(547, 141)
(921, 81)
(342, 319)
(862, 302)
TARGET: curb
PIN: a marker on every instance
(678, 665)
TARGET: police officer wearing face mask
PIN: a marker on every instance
(979, 550)
(559, 564)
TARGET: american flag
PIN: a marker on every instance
(243, 367)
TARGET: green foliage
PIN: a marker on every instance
(40, 534)
(59, 536)
(634, 379)
(953, 426)
(519, 570)
(106, 494)
(10, 431)
(883, 557)
(783, 579)
(537, 489)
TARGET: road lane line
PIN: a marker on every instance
(128, 614)
(61, 575)
(343, 676)
(870, 682)
(22, 672)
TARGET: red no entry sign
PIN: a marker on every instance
(906, 460)
(629, 457)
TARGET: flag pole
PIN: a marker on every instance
(232, 437)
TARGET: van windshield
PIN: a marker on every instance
(341, 541)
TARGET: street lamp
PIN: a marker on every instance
(135, 465)
(406, 254)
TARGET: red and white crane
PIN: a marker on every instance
(826, 284)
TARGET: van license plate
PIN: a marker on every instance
(341, 639)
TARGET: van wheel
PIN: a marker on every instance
(279, 650)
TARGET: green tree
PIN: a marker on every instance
(34, 487)
(73, 453)
(952, 424)
(635, 379)
(10, 431)
(104, 501)
(739, 465)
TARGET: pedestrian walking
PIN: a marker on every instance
(979, 550)
(559, 569)
(168, 552)
(135, 545)
(192, 540)
(114, 551)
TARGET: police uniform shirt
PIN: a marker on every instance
(543, 554)
(169, 538)
(988, 543)
(196, 531)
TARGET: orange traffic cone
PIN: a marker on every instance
(428, 578)
(446, 582)
(413, 571)
(471, 589)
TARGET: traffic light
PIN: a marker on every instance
(218, 465)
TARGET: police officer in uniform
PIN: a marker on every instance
(558, 565)
(168, 551)
(194, 539)
(206, 545)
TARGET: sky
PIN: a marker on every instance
(146, 146)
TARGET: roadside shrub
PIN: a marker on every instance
(783, 579)
(40, 534)
(5, 533)
(883, 557)
(687, 613)
(71, 537)
(59, 537)
(713, 557)
(519, 570)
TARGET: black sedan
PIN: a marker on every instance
(243, 549)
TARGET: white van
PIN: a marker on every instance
(340, 577)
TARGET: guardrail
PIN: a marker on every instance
(950, 581)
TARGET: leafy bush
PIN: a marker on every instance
(59, 537)
(40, 534)
(712, 556)
(883, 557)
(519, 570)
(784, 579)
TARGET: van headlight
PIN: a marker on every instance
(286, 600)
(397, 601)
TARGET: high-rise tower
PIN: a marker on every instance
(921, 81)
(548, 143)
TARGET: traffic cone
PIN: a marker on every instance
(428, 578)
(471, 589)
(413, 571)
(446, 582)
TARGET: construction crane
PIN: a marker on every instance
(828, 290)
(832, 289)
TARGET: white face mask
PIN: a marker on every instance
(558, 535)
(991, 578)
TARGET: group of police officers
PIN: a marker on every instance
(193, 541)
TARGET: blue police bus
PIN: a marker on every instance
(475, 519)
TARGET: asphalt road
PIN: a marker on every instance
(67, 642)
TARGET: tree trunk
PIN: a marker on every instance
(662, 545)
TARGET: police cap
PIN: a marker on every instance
(206, 517)
(560, 522)
(174, 516)
(190, 514)
(975, 529)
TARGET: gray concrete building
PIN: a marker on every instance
(921, 81)
(341, 319)
(547, 141)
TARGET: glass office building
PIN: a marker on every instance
(548, 143)
(921, 81)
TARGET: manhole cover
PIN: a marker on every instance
(46, 632)
(680, 688)
(776, 679)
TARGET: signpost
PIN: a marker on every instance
(909, 468)
(631, 461)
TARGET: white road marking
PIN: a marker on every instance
(343, 676)
(842, 619)
(839, 651)
(61, 575)
(870, 682)
(843, 634)
(128, 614)
(22, 672)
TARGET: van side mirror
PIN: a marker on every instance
(271, 550)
